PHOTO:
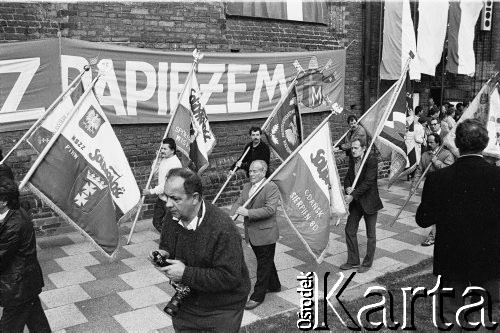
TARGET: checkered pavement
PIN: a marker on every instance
(84, 292)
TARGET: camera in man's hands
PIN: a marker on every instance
(160, 260)
(181, 292)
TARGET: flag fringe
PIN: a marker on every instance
(63, 215)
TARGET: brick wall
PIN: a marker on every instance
(181, 26)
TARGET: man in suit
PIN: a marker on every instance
(467, 249)
(364, 201)
(261, 230)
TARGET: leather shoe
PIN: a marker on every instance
(363, 269)
(252, 304)
(348, 266)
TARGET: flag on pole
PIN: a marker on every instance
(398, 41)
(41, 135)
(462, 20)
(391, 140)
(432, 24)
(85, 176)
(311, 191)
(479, 108)
(493, 126)
(191, 130)
(283, 129)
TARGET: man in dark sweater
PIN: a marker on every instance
(258, 150)
(206, 255)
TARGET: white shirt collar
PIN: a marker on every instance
(196, 221)
(255, 186)
(478, 155)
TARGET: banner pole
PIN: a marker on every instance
(49, 110)
(197, 56)
(295, 152)
(49, 145)
(231, 174)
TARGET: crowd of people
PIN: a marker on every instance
(203, 249)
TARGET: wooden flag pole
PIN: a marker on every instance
(295, 152)
(86, 68)
(197, 56)
(231, 173)
(51, 142)
(384, 119)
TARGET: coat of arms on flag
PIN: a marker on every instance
(311, 83)
(84, 176)
(283, 128)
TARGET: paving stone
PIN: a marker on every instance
(99, 288)
(78, 248)
(68, 278)
(143, 320)
(105, 324)
(101, 307)
(64, 316)
(141, 249)
(109, 270)
(137, 263)
(393, 245)
(75, 262)
(143, 278)
(62, 296)
(142, 297)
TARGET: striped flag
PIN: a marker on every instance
(85, 176)
(391, 140)
(432, 24)
(398, 41)
(462, 20)
(283, 129)
(311, 191)
(296, 10)
(493, 126)
(191, 130)
(480, 108)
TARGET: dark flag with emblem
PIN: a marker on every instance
(85, 176)
(283, 128)
(311, 192)
(391, 140)
(190, 128)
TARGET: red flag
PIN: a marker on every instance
(391, 140)
(85, 176)
(191, 130)
(310, 191)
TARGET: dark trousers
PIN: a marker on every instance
(355, 214)
(267, 276)
(225, 321)
(29, 313)
(159, 211)
(450, 305)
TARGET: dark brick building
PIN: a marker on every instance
(182, 26)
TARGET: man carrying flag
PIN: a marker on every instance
(364, 201)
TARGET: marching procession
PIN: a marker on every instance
(205, 190)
